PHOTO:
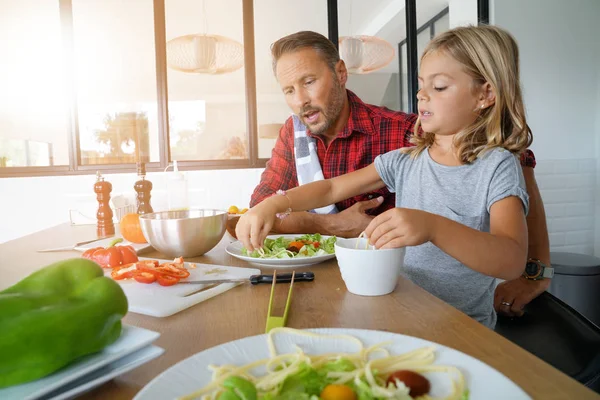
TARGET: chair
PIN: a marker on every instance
(559, 335)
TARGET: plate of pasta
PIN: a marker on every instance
(287, 251)
(330, 364)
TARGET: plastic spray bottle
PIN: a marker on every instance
(177, 190)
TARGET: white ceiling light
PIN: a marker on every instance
(203, 53)
(365, 54)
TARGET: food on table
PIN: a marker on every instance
(150, 271)
(111, 256)
(130, 228)
(234, 215)
(55, 315)
(236, 210)
(337, 392)
(301, 246)
(370, 373)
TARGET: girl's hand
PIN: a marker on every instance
(401, 227)
(254, 226)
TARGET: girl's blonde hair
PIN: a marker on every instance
(488, 54)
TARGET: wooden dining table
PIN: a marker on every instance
(324, 302)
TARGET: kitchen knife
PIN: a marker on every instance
(67, 248)
(256, 279)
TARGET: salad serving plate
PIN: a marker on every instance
(235, 249)
(191, 374)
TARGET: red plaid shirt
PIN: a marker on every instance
(370, 131)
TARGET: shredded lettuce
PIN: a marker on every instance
(277, 248)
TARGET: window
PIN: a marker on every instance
(207, 112)
(272, 110)
(432, 19)
(34, 116)
(90, 85)
(383, 20)
(115, 81)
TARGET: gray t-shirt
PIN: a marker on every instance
(464, 194)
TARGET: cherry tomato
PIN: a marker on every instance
(417, 383)
(338, 392)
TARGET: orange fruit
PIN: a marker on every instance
(233, 210)
(131, 229)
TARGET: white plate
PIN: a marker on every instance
(132, 338)
(191, 374)
(139, 248)
(106, 373)
(235, 249)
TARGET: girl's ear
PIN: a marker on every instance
(488, 95)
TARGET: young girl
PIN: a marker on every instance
(460, 193)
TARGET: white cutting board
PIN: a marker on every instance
(163, 301)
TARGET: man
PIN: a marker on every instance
(333, 132)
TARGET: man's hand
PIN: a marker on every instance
(351, 222)
(518, 293)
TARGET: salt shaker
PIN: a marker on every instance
(105, 225)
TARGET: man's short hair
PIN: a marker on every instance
(306, 39)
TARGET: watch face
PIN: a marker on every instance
(532, 269)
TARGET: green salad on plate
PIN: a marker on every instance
(309, 245)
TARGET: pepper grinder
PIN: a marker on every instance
(143, 188)
(105, 226)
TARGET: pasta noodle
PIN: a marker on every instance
(362, 234)
(280, 366)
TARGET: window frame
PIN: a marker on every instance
(75, 167)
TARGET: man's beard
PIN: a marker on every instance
(332, 111)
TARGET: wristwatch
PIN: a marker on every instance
(536, 270)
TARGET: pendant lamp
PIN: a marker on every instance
(365, 54)
(204, 53)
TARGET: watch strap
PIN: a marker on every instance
(548, 272)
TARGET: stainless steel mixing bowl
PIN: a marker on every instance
(186, 233)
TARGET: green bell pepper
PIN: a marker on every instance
(55, 315)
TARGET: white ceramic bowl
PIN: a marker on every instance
(368, 272)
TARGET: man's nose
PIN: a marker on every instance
(301, 99)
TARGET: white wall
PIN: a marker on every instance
(462, 12)
(31, 204)
(561, 79)
(559, 64)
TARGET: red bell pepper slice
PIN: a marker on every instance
(167, 269)
(166, 280)
(124, 271)
(144, 277)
